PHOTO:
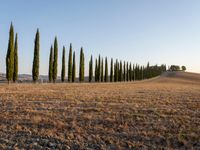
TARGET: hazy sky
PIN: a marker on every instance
(139, 31)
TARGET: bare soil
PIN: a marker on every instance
(163, 112)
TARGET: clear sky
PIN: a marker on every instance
(158, 31)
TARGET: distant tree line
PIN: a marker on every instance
(120, 71)
(177, 68)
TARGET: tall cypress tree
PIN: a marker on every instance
(102, 70)
(130, 72)
(90, 69)
(95, 71)
(121, 72)
(106, 70)
(74, 68)
(15, 74)
(51, 65)
(55, 60)
(99, 69)
(70, 64)
(148, 71)
(111, 70)
(142, 71)
(10, 55)
(136, 72)
(63, 66)
(127, 72)
(116, 71)
(133, 75)
(81, 67)
(35, 69)
(124, 72)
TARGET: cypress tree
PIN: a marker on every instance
(51, 65)
(63, 66)
(55, 60)
(111, 71)
(99, 69)
(121, 72)
(90, 69)
(81, 67)
(130, 72)
(35, 69)
(127, 72)
(74, 68)
(136, 72)
(133, 75)
(10, 55)
(124, 72)
(116, 71)
(142, 71)
(148, 71)
(15, 74)
(96, 70)
(102, 69)
(70, 64)
(106, 70)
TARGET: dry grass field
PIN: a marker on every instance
(163, 112)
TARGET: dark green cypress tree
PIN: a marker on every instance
(70, 64)
(127, 72)
(117, 70)
(99, 69)
(139, 73)
(121, 72)
(135, 71)
(130, 72)
(96, 70)
(63, 66)
(111, 70)
(35, 69)
(102, 70)
(142, 71)
(91, 69)
(106, 70)
(148, 71)
(124, 72)
(15, 74)
(51, 65)
(10, 55)
(81, 67)
(55, 60)
(133, 75)
(74, 68)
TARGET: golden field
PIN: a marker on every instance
(163, 112)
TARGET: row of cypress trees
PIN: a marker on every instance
(119, 71)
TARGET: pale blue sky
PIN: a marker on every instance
(158, 31)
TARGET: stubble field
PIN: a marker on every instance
(159, 113)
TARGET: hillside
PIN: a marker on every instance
(158, 113)
(178, 77)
